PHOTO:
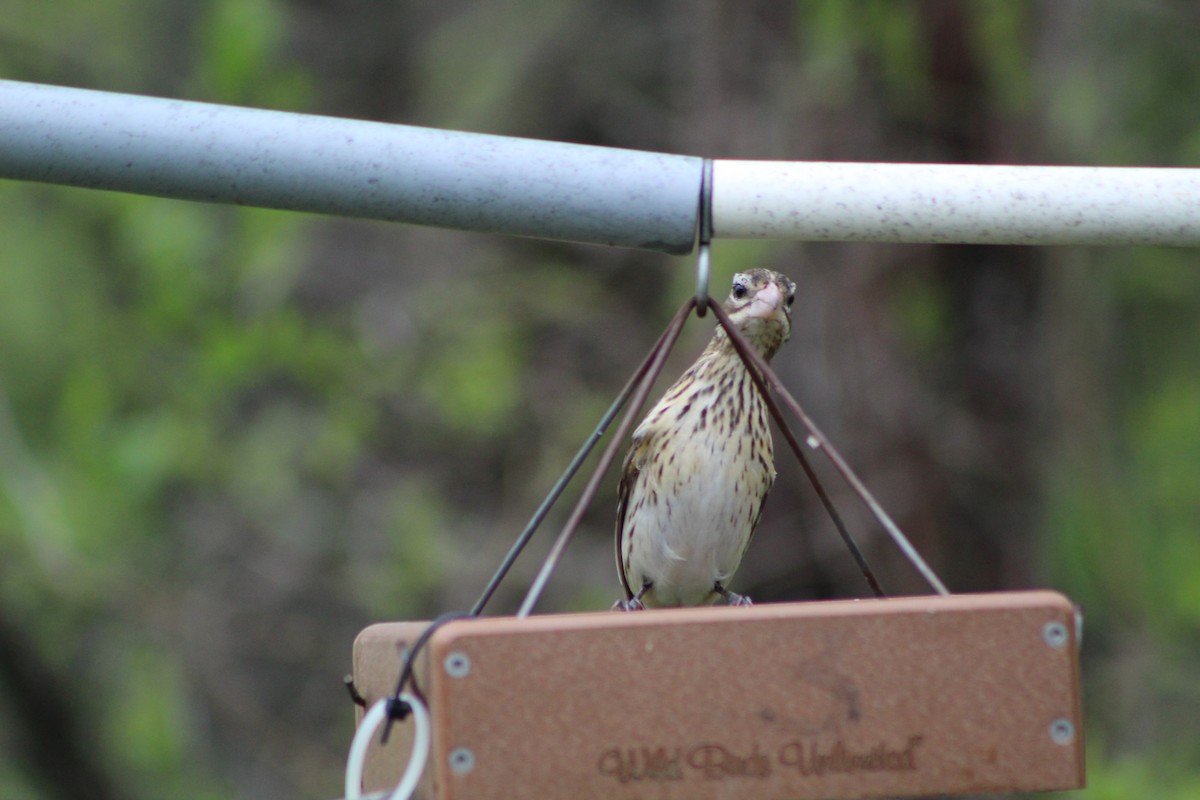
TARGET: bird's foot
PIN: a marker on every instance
(732, 598)
(632, 604)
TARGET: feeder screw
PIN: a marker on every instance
(457, 665)
(1055, 634)
(1062, 731)
(462, 760)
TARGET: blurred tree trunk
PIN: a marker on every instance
(995, 299)
(58, 749)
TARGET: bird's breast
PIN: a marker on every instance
(697, 498)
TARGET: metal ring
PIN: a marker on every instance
(362, 739)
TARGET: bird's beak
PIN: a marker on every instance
(767, 302)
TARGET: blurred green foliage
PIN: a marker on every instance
(226, 443)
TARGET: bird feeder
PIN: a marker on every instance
(850, 698)
(922, 695)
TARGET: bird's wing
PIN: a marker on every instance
(629, 475)
(757, 516)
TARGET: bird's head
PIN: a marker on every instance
(760, 307)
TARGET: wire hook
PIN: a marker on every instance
(703, 267)
(704, 259)
(358, 699)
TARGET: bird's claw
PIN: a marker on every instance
(732, 598)
(632, 604)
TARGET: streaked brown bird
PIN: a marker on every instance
(702, 462)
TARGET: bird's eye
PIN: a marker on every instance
(791, 299)
(739, 291)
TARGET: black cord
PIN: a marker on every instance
(397, 709)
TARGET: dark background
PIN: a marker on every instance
(231, 438)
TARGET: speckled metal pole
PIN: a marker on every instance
(553, 190)
(955, 203)
(224, 154)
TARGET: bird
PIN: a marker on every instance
(701, 463)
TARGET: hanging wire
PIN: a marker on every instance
(764, 377)
(643, 380)
(817, 440)
(703, 268)
(747, 354)
(646, 382)
(568, 474)
(397, 708)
